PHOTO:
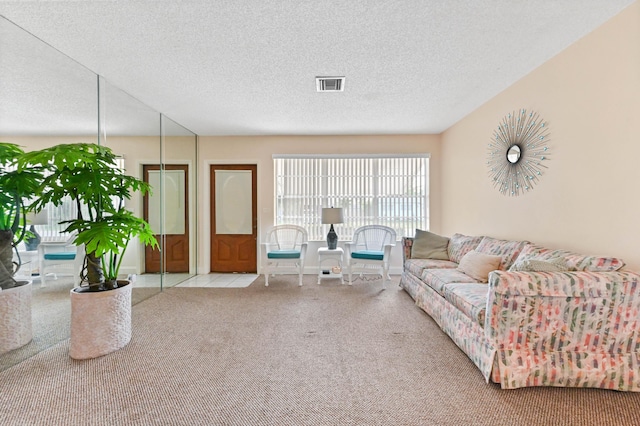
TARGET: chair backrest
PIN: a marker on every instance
(373, 237)
(60, 247)
(59, 238)
(286, 237)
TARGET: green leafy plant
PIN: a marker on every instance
(17, 186)
(88, 175)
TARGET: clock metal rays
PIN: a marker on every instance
(518, 152)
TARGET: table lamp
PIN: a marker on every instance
(331, 215)
(40, 218)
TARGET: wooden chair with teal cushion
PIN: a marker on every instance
(370, 251)
(283, 250)
(56, 254)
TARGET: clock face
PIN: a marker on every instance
(518, 152)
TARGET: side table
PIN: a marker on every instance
(334, 260)
(29, 269)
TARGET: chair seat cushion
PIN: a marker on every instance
(63, 255)
(284, 254)
(368, 254)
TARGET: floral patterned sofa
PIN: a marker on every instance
(544, 318)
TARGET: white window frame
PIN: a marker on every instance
(306, 183)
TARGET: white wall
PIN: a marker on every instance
(588, 199)
(259, 150)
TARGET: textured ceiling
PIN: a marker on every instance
(248, 67)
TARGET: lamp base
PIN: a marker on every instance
(32, 243)
(332, 239)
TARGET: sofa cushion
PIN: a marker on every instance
(508, 250)
(478, 265)
(574, 261)
(427, 245)
(471, 299)
(459, 245)
(416, 266)
(438, 278)
(600, 264)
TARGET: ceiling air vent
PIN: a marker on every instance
(330, 84)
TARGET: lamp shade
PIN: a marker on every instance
(40, 218)
(332, 215)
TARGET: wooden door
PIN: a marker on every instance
(174, 240)
(234, 218)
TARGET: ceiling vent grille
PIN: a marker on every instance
(330, 84)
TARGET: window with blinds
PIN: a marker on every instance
(67, 209)
(381, 190)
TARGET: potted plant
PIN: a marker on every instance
(18, 185)
(88, 175)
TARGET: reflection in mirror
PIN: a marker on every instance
(132, 130)
(44, 93)
(178, 215)
(513, 154)
(47, 99)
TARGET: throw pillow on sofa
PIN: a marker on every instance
(478, 265)
(427, 245)
(537, 265)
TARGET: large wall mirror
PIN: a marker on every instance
(132, 130)
(48, 99)
(177, 215)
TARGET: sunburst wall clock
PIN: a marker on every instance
(518, 152)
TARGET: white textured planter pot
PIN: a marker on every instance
(100, 322)
(15, 317)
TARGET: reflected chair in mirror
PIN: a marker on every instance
(370, 251)
(56, 254)
(283, 250)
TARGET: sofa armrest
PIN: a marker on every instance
(407, 243)
(564, 311)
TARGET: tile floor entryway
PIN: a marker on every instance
(219, 280)
(183, 280)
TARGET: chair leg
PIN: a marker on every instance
(300, 279)
(385, 277)
(266, 279)
(41, 270)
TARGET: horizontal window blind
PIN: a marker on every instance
(381, 190)
(67, 209)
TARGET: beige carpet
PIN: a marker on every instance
(51, 315)
(324, 354)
